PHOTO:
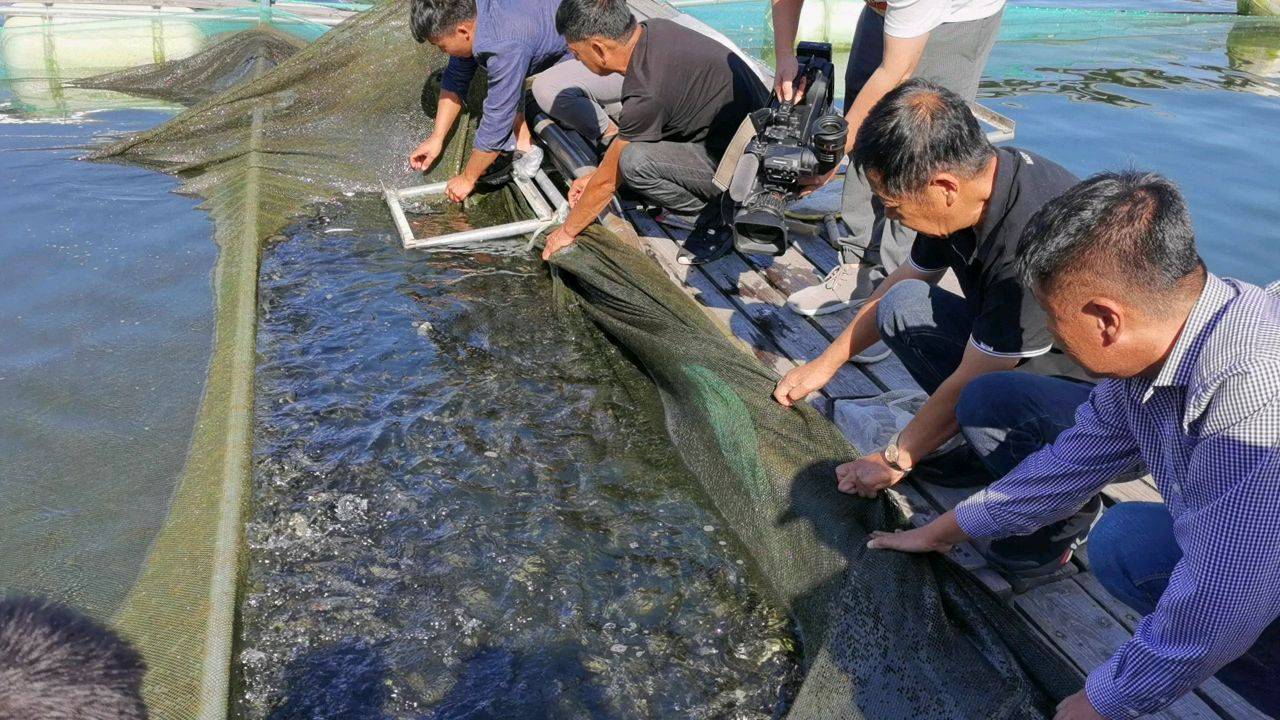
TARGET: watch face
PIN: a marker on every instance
(891, 453)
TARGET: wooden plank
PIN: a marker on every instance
(1131, 491)
(1086, 633)
(715, 302)
(763, 304)
(1218, 696)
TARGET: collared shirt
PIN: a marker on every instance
(1007, 320)
(1208, 428)
(513, 40)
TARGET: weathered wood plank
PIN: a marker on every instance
(713, 300)
(763, 304)
(1088, 634)
(1131, 491)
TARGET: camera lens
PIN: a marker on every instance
(829, 135)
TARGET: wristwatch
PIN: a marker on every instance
(891, 454)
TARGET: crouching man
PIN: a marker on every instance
(512, 40)
(931, 165)
(1194, 392)
(683, 97)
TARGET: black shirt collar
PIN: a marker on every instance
(1002, 195)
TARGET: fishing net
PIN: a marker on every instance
(338, 116)
(885, 635)
(228, 62)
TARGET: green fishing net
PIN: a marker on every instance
(885, 635)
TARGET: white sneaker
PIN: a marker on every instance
(847, 285)
(527, 163)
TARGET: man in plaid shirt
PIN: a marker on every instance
(1193, 363)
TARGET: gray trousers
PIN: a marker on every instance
(577, 98)
(674, 175)
(954, 58)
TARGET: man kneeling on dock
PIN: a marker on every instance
(683, 97)
(512, 40)
(1194, 392)
(932, 166)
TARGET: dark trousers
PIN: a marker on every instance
(1132, 553)
(1004, 416)
(673, 175)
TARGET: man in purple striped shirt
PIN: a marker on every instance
(1193, 391)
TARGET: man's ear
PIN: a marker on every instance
(599, 49)
(949, 185)
(465, 29)
(1107, 318)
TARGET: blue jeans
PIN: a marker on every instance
(1132, 552)
(1004, 416)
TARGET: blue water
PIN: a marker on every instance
(1193, 96)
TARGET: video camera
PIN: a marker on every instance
(794, 145)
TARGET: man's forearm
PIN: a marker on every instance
(935, 422)
(876, 87)
(599, 191)
(448, 108)
(786, 20)
(478, 163)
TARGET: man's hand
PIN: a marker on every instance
(809, 377)
(866, 476)
(556, 241)
(425, 155)
(577, 188)
(784, 78)
(459, 188)
(917, 540)
(1077, 707)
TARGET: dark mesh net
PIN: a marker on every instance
(885, 635)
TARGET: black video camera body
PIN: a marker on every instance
(794, 145)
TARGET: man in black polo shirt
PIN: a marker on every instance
(683, 97)
(929, 162)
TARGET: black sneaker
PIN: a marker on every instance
(705, 243)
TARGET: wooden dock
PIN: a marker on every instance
(746, 294)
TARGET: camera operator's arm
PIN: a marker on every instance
(594, 198)
(861, 334)
(901, 55)
(786, 20)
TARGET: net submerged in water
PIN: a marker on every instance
(884, 635)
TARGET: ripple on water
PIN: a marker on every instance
(458, 510)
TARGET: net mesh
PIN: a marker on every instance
(885, 635)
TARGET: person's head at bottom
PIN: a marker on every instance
(450, 25)
(1113, 262)
(598, 33)
(58, 664)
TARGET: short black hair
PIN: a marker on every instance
(434, 18)
(578, 20)
(58, 664)
(917, 130)
(1132, 226)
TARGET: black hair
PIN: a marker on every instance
(578, 20)
(431, 19)
(1132, 226)
(58, 664)
(917, 130)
